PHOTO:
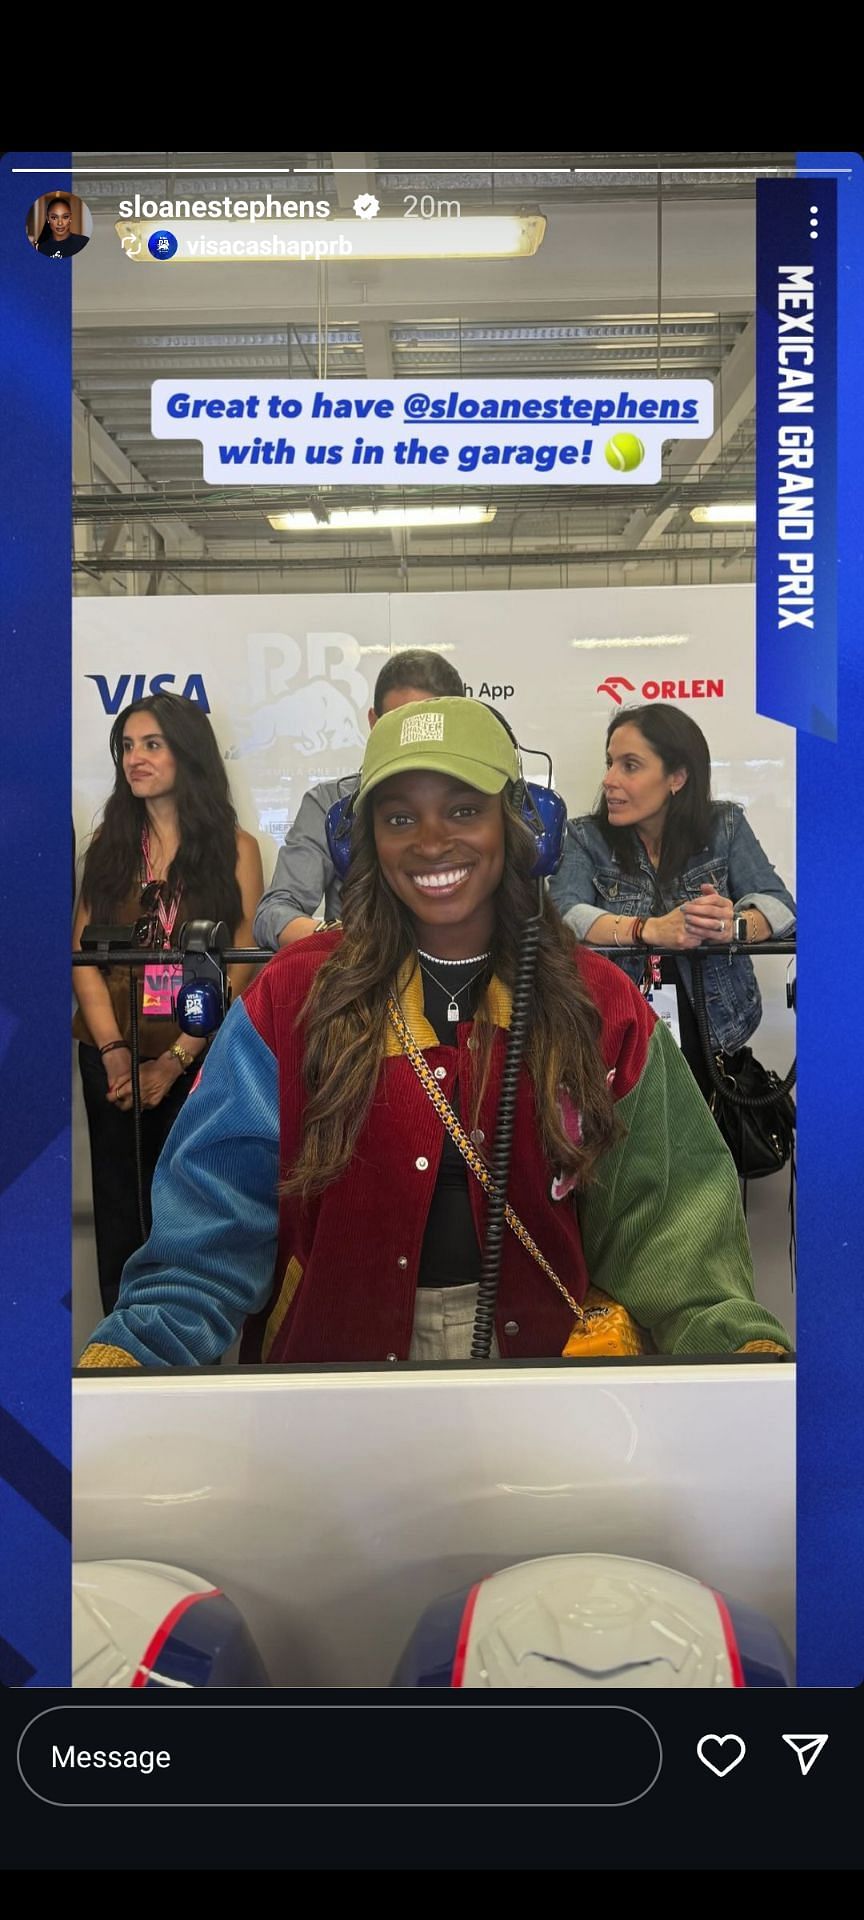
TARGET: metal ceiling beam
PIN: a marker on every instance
(734, 401)
(92, 447)
(372, 562)
(603, 330)
(199, 499)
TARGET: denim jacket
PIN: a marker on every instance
(591, 882)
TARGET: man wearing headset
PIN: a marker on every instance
(315, 1188)
(305, 874)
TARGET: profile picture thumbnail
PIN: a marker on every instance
(59, 224)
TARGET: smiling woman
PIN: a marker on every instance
(315, 1186)
(440, 847)
(169, 849)
(58, 238)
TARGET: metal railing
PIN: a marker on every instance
(108, 956)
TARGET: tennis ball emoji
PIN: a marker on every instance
(624, 452)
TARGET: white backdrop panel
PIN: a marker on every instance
(289, 679)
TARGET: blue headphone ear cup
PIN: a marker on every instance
(199, 1007)
(338, 824)
(545, 813)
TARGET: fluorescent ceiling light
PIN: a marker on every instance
(736, 512)
(637, 640)
(486, 236)
(441, 646)
(366, 519)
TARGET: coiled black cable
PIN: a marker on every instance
(143, 1211)
(490, 1265)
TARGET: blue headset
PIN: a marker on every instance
(202, 1002)
(542, 809)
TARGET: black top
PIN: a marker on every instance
(61, 249)
(451, 1255)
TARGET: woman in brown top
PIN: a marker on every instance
(169, 832)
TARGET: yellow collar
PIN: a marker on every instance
(409, 993)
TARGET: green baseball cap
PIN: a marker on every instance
(447, 735)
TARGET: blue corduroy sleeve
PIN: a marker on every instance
(209, 1260)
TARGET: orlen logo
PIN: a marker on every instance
(664, 689)
(611, 686)
(129, 689)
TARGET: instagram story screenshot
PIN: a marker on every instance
(430, 1042)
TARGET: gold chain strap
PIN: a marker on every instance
(469, 1153)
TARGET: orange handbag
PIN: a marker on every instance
(605, 1331)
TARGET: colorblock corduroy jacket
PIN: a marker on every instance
(661, 1228)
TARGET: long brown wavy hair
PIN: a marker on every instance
(203, 870)
(346, 1016)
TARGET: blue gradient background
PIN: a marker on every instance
(35, 899)
(831, 1058)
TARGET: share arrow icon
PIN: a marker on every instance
(807, 1746)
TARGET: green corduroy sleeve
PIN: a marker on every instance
(663, 1227)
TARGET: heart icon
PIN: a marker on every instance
(714, 1743)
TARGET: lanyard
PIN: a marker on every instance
(166, 918)
(653, 960)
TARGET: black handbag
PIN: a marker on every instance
(760, 1138)
(752, 1106)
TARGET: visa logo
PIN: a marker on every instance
(130, 688)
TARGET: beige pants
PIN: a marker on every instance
(444, 1324)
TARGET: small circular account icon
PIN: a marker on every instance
(162, 245)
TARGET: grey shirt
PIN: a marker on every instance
(304, 872)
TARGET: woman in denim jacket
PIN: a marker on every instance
(659, 864)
